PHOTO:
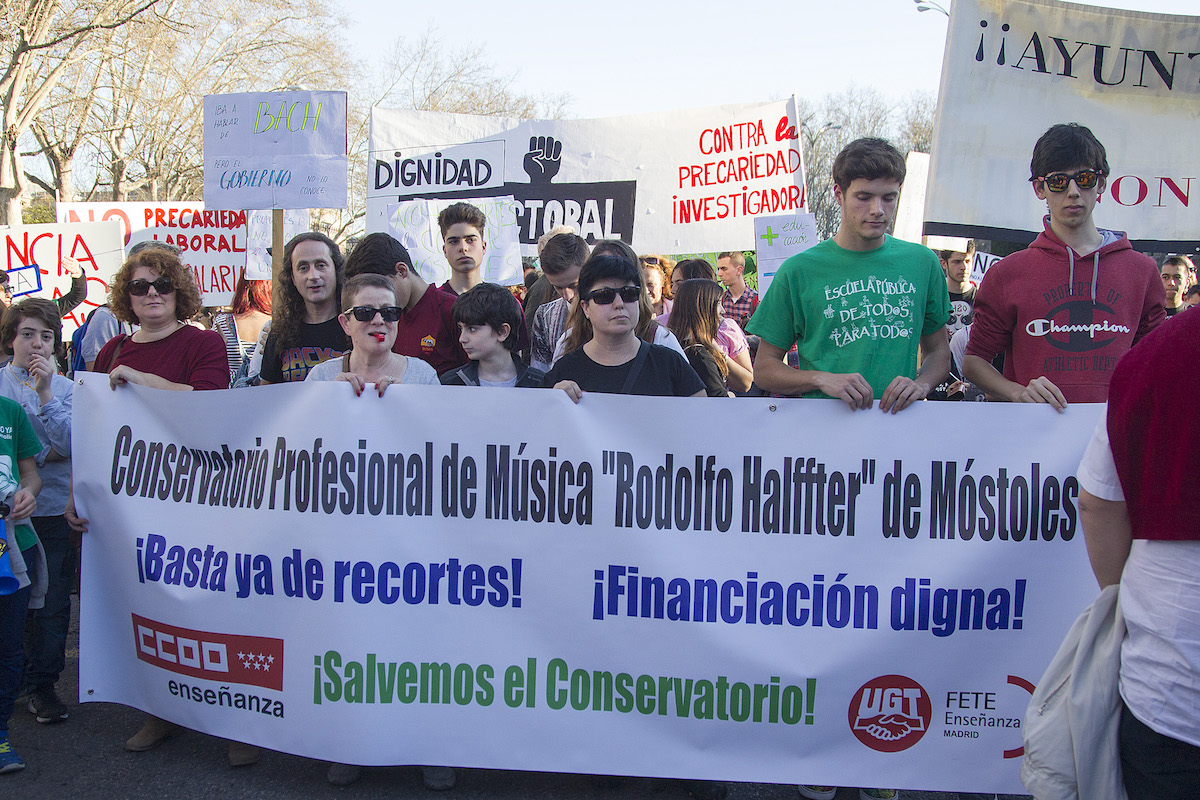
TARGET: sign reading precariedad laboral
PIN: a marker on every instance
(1013, 68)
(683, 181)
(603, 592)
(275, 150)
(415, 224)
(212, 243)
(33, 259)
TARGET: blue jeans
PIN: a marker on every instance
(13, 608)
(46, 627)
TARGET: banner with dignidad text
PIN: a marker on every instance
(811, 594)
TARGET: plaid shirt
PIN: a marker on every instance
(742, 309)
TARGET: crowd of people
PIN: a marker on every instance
(863, 318)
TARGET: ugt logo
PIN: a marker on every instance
(890, 713)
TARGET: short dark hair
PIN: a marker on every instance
(364, 281)
(492, 305)
(461, 212)
(38, 308)
(1065, 146)
(562, 252)
(604, 266)
(944, 255)
(868, 159)
(378, 253)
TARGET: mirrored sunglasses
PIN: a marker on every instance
(1084, 179)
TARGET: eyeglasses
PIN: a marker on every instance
(6, 288)
(1084, 179)
(604, 297)
(648, 259)
(367, 313)
(141, 287)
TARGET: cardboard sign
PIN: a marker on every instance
(778, 239)
(1013, 68)
(258, 236)
(683, 181)
(414, 224)
(212, 243)
(275, 150)
(33, 259)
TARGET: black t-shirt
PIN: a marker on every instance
(962, 307)
(705, 365)
(664, 374)
(318, 342)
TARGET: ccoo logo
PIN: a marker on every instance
(890, 713)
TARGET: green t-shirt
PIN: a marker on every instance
(17, 441)
(849, 311)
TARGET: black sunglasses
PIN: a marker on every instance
(604, 297)
(1084, 179)
(367, 313)
(140, 287)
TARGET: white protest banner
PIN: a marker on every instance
(911, 210)
(212, 243)
(681, 181)
(258, 236)
(868, 602)
(33, 259)
(275, 150)
(415, 224)
(1013, 68)
(778, 239)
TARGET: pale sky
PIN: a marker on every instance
(626, 57)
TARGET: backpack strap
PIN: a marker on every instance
(635, 369)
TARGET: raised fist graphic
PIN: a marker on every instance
(544, 158)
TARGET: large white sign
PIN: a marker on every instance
(275, 150)
(414, 223)
(33, 259)
(212, 243)
(868, 603)
(1013, 68)
(683, 181)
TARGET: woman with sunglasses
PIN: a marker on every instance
(155, 290)
(370, 320)
(604, 351)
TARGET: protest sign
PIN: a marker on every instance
(911, 210)
(778, 239)
(275, 150)
(33, 259)
(414, 223)
(1013, 68)
(673, 182)
(212, 243)
(258, 237)
(603, 592)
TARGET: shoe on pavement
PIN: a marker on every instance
(343, 774)
(438, 779)
(243, 755)
(817, 792)
(9, 760)
(154, 732)
(45, 705)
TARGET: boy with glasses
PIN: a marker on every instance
(1067, 308)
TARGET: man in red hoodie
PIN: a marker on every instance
(1067, 308)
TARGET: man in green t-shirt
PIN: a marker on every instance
(857, 306)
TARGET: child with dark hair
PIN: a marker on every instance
(694, 321)
(488, 319)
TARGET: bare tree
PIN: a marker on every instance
(39, 39)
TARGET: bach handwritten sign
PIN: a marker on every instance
(275, 150)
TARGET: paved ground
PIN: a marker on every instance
(83, 759)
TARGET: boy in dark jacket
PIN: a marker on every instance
(488, 318)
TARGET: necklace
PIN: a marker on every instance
(21, 380)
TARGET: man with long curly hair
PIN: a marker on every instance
(304, 316)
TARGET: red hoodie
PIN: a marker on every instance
(1067, 317)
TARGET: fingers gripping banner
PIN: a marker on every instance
(812, 595)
